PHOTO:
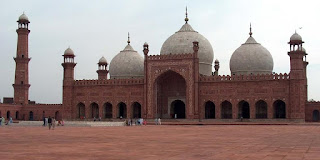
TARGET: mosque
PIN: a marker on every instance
(179, 83)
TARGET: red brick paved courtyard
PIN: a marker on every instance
(162, 142)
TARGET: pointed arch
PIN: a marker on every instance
(107, 110)
(94, 110)
(244, 109)
(8, 114)
(261, 109)
(57, 115)
(178, 109)
(17, 115)
(136, 110)
(209, 110)
(226, 110)
(122, 110)
(315, 116)
(81, 108)
(169, 86)
(30, 116)
(279, 108)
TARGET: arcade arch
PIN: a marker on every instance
(136, 110)
(209, 110)
(226, 110)
(94, 109)
(107, 110)
(244, 109)
(279, 108)
(81, 111)
(315, 116)
(122, 110)
(261, 109)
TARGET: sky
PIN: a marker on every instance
(94, 28)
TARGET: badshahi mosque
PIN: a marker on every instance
(182, 82)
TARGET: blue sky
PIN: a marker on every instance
(99, 28)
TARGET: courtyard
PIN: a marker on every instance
(162, 142)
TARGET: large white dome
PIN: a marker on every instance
(126, 64)
(251, 58)
(181, 42)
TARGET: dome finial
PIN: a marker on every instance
(128, 38)
(250, 33)
(186, 19)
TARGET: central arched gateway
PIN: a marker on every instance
(170, 94)
(178, 109)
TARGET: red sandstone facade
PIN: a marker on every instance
(171, 88)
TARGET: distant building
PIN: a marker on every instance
(178, 83)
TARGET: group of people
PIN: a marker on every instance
(51, 122)
(140, 121)
(157, 121)
(4, 122)
(94, 119)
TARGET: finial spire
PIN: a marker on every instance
(128, 38)
(250, 33)
(186, 19)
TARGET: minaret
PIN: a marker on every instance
(21, 84)
(298, 90)
(102, 69)
(68, 82)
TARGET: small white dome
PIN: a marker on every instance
(127, 64)
(102, 60)
(251, 58)
(23, 17)
(182, 42)
(295, 37)
(68, 52)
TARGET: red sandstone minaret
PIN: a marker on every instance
(21, 84)
(68, 82)
(102, 69)
(297, 97)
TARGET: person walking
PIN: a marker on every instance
(156, 121)
(3, 120)
(46, 121)
(53, 123)
(49, 122)
(10, 120)
(159, 121)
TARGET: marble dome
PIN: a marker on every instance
(127, 64)
(251, 58)
(181, 42)
(23, 17)
(295, 37)
(68, 52)
(103, 60)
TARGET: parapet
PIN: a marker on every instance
(132, 81)
(170, 56)
(258, 77)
